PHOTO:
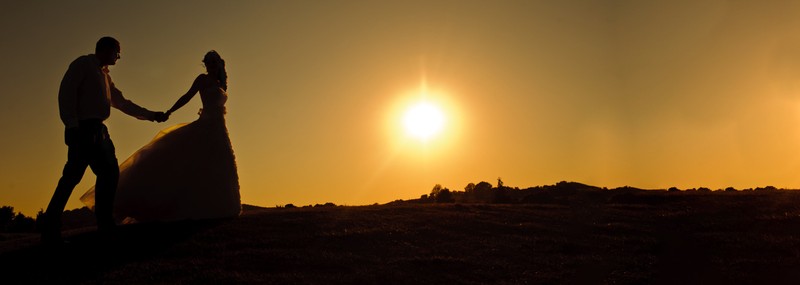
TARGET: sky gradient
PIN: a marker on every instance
(651, 94)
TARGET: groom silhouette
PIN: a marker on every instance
(85, 99)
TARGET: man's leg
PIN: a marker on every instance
(105, 166)
(70, 177)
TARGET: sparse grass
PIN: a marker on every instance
(663, 238)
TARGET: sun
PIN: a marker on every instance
(423, 120)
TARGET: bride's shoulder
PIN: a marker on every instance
(202, 80)
(202, 77)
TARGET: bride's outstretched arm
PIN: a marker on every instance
(186, 97)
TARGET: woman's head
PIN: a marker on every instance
(215, 66)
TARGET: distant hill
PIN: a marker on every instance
(560, 193)
(640, 237)
(84, 217)
(485, 193)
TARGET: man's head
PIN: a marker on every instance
(107, 50)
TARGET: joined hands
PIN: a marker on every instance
(160, 117)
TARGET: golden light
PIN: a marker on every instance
(423, 123)
(423, 120)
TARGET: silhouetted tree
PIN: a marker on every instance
(770, 188)
(15, 222)
(469, 188)
(444, 196)
(501, 195)
(483, 186)
(469, 193)
(435, 191)
(39, 219)
(483, 192)
(78, 218)
(21, 223)
(6, 217)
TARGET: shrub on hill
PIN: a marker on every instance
(13, 222)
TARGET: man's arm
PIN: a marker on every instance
(68, 94)
(126, 106)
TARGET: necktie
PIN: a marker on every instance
(106, 81)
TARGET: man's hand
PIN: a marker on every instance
(160, 117)
(72, 136)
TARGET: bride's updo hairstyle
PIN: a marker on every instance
(212, 58)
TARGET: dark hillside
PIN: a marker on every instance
(644, 237)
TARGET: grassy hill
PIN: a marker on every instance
(635, 237)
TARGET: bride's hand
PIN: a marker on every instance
(160, 117)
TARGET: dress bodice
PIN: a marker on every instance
(213, 102)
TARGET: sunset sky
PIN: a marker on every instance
(651, 94)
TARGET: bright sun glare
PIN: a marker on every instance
(423, 120)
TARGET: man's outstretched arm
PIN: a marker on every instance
(126, 106)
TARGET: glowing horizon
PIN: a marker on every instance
(649, 94)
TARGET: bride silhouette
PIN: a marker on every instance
(187, 171)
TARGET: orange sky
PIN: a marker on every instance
(651, 94)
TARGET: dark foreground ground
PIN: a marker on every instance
(713, 238)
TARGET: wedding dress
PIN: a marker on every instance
(186, 172)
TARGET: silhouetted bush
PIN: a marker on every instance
(21, 223)
(444, 196)
(482, 192)
(469, 188)
(483, 186)
(78, 218)
(15, 222)
(436, 189)
(6, 217)
(563, 193)
(501, 195)
(625, 189)
(768, 188)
